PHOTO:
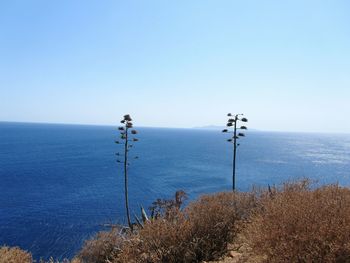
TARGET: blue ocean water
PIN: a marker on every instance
(60, 183)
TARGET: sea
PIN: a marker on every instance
(61, 184)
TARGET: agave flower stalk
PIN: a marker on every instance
(233, 122)
(126, 132)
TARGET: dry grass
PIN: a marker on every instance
(14, 255)
(215, 221)
(103, 247)
(199, 232)
(52, 260)
(296, 224)
(17, 255)
(293, 223)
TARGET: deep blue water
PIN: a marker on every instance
(59, 183)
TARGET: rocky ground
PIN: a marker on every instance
(238, 253)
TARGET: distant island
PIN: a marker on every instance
(216, 127)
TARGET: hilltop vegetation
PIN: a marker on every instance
(292, 223)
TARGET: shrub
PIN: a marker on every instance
(215, 221)
(200, 232)
(296, 224)
(104, 246)
(14, 255)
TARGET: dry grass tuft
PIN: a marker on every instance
(14, 255)
(199, 232)
(103, 247)
(296, 224)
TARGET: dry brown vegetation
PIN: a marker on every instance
(296, 224)
(199, 232)
(14, 255)
(293, 223)
(105, 246)
(17, 255)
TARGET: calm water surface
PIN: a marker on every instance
(59, 183)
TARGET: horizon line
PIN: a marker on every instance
(205, 127)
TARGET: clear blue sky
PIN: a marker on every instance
(285, 64)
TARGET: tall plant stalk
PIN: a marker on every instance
(125, 134)
(232, 122)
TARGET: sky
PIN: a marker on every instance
(284, 64)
